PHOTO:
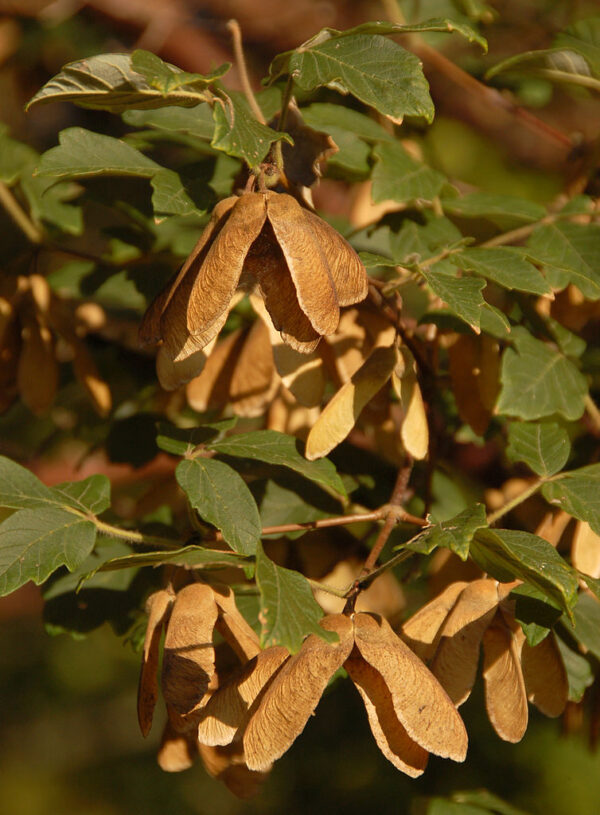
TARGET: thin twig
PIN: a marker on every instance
(516, 501)
(238, 51)
(32, 232)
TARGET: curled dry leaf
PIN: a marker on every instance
(342, 411)
(293, 695)
(158, 606)
(302, 267)
(189, 654)
(505, 696)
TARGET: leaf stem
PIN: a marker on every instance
(285, 103)
(32, 232)
(238, 51)
(514, 502)
(133, 536)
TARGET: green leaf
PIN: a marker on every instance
(334, 118)
(461, 294)
(90, 495)
(503, 210)
(579, 671)
(171, 197)
(535, 612)
(487, 800)
(578, 493)
(585, 627)
(196, 556)
(221, 497)
(20, 488)
(455, 534)
(538, 380)
(292, 500)
(109, 82)
(543, 446)
(508, 554)
(197, 121)
(420, 242)
(441, 24)
(48, 201)
(570, 253)
(289, 612)
(167, 78)
(84, 153)
(14, 156)
(593, 583)
(504, 265)
(583, 37)
(35, 542)
(238, 134)
(378, 72)
(398, 177)
(280, 449)
(180, 441)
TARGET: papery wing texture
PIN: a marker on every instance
(158, 606)
(177, 751)
(505, 696)
(545, 676)
(345, 267)
(390, 735)
(289, 701)
(189, 654)
(306, 261)
(232, 625)
(423, 629)
(457, 655)
(420, 703)
(228, 765)
(230, 707)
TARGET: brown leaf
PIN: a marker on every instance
(158, 606)
(420, 703)
(545, 677)
(189, 655)
(177, 751)
(289, 701)
(457, 654)
(229, 708)
(227, 764)
(390, 735)
(505, 697)
(302, 160)
(306, 261)
(423, 629)
(342, 411)
(347, 271)
(151, 331)
(233, 627)
(475, 374)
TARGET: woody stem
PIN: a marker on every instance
(240, 60)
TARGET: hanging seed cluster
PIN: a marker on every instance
(264, 242)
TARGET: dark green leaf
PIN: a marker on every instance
(291, 500)
(48, 201)
(543, 446)
(420, 242)
(196, 556)
(538, 380)
(536, 613)
(487, 800)
(507, 554)
(578, 493)
(20, 488)
(197, 121)
(84, 153)
(181, 440)
(90, 495)
(455, 534)
(328, 117)
(441, 24)
(398, 177)
(503, 210)
(91, 572)
(579, 671)
(585, 627)
(167, 78)
(504, 265)
(461, 294)
(35, 542)
(238, 134)
(570, 253)
(109, 82)
(289, 612)
(221, 497)
(171, 197)
(593, 583)
(14, 156)
(378, 72)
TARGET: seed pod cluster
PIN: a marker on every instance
(37, 331)
(448, 633)
(264, 242)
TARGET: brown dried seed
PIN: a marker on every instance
(158, 606)
(228, 765)
(189, 655)
(37, 372)
(505, 696)
(423, 629)
(177, 751)
(86, 372)
(340, 414)
(230, 707)
(457, 654)
(586, 549)
(288, 702)
(390, 735)
(414, 431)
(233, 627)
(306, 261)
(545, 676)
(420, 703)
